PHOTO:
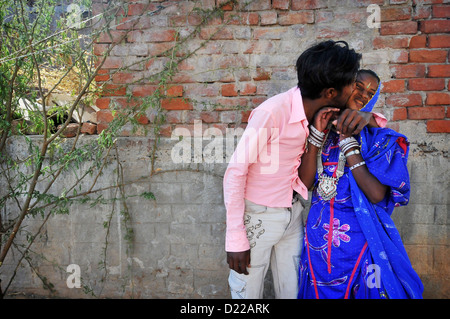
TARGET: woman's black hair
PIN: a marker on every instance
(328, 64)
(370, 72)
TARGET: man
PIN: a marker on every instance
(264, 224)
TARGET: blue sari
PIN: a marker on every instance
(352, 248)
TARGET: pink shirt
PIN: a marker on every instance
(264, 166)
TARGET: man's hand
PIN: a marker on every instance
(351, 122)
(239, 261)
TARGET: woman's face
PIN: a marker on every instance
(365, 88)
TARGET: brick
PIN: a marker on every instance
(426, 84)
(439, 71)
(101, 127)
(245, 115)
(112, 63)
(308, 4)
(400, 114)
(398, 27)
(122, 77)
(332, 32)
(438, 126)
(176, 104)
(390, 42)
(142, 119)
(249, 89)
(395, 14)
(421, 12)
(241, 18)
(71, 130)
(175, 91)
(114, 90)
(88, 128)
(216, 33)
(209, 117)
(408, 71)
(393, 86)
(428, 56)
(268, 18)
(439, 41)
(111, 37)
(165, 130)
(143, 90)
(153, 35)
(302, 17)
(274, 33)
(418, 41)
(441, 11)
(104, 116)
(102, 103)
(438, 99)
(101, 77)
(259, 5)
(404, 100)
(424, 113)
(324, 16)
(350, 16)
(139, 8)
(280, 4)
(100, 49)
(399, 56)
(435, 26)
(228, 117)
(229, 90)
(262, 75)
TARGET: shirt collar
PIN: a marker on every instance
(297, 108)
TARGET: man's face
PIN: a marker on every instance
(342, 98)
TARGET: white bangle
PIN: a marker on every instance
(354, 152)
(357, 165)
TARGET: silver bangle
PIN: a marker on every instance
(354, 152)
(346, 141)
(357, 165)
(316, 132)
(314, 142)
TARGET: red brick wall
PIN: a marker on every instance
(252, 52)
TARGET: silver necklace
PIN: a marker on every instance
(327, 187)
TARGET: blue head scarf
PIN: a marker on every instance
(385, 153)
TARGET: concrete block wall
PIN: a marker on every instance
(242, 56)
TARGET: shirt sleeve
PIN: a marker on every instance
(380, 119)
(255, 137)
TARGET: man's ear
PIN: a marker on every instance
(329, 93)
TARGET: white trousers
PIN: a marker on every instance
(276, 239)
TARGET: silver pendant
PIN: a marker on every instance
(327, 187)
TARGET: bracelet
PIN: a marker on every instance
(314, 142)
(348, 143)
(354, 152)
(316, 132)
(357, 165)
(316, 137)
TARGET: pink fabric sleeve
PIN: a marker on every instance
(380, 119)
(235, 179)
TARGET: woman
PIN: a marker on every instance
(352, 248)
